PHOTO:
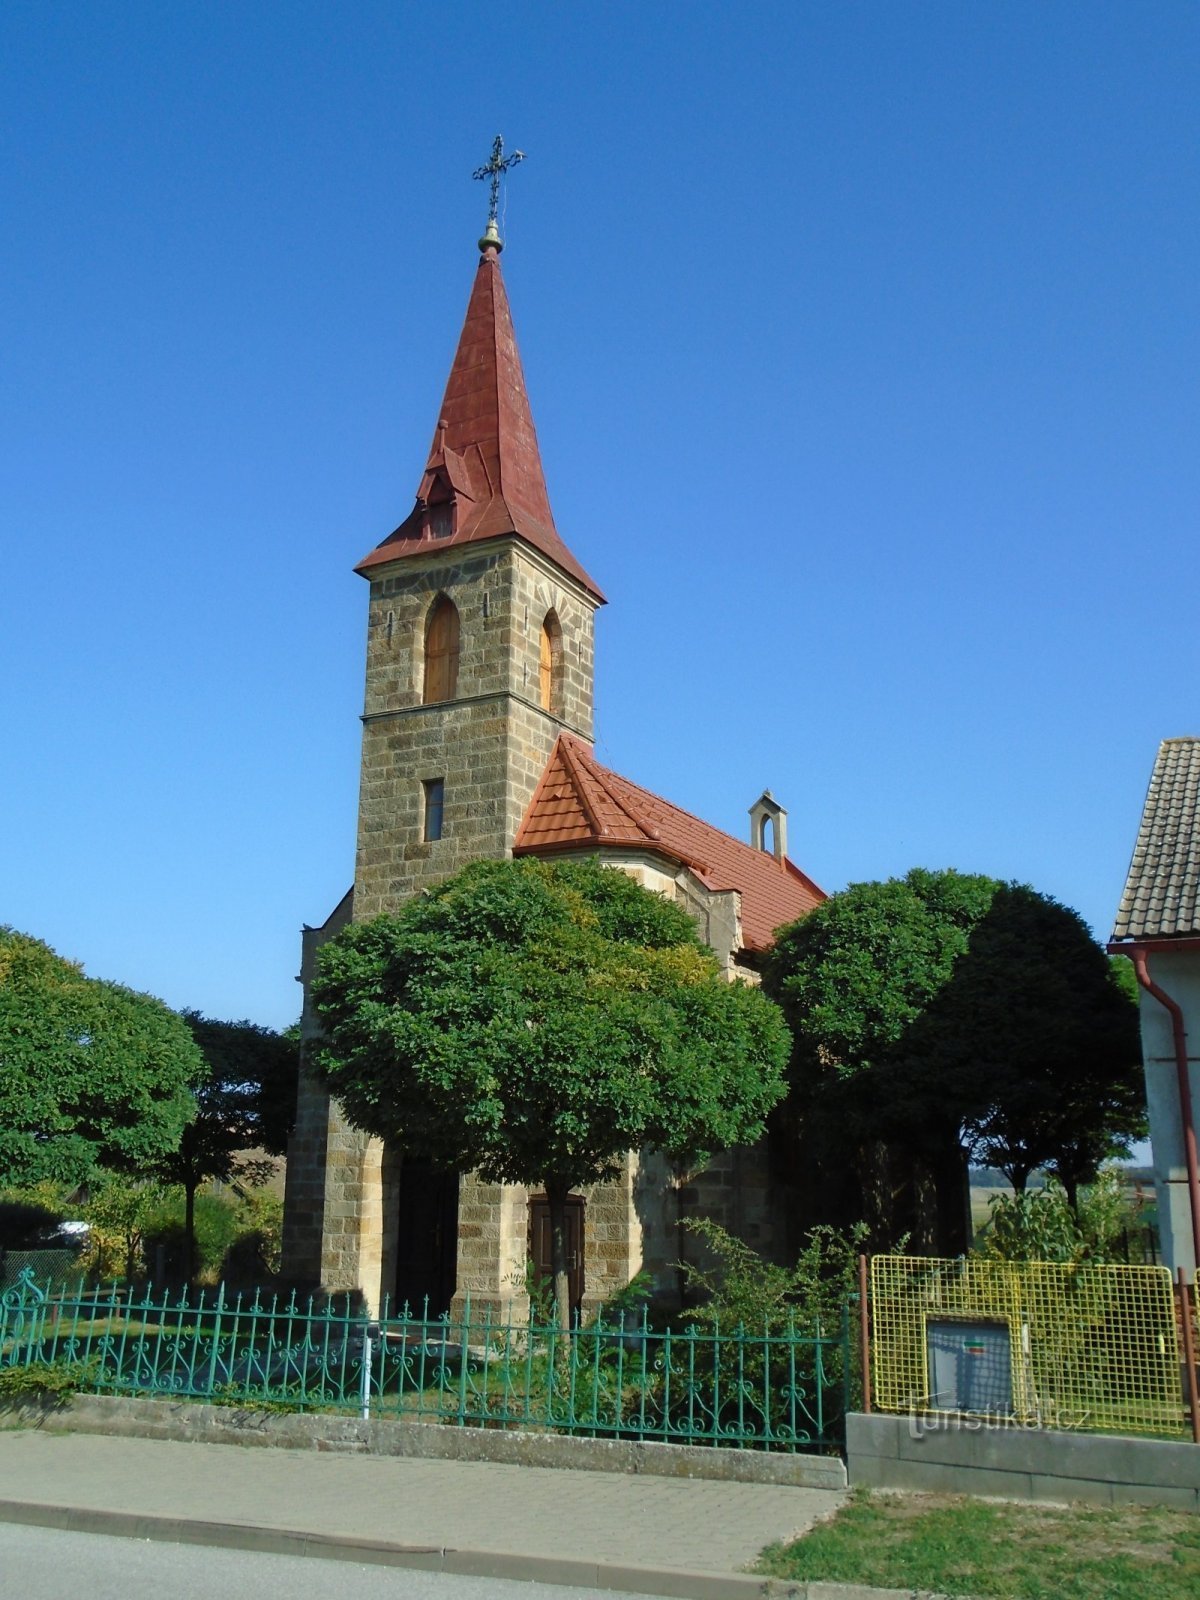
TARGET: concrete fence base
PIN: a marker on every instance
(193, 1420)
(956, 1454)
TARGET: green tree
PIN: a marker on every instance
(855, 978)
(950, 1014)
(536, 1021)
(245, 1106)
(1039, 1025)
(91, 1073)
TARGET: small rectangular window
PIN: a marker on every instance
(434, 793)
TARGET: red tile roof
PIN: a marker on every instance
(578, 803)
(485, 450)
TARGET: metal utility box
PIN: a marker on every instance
(970, 1366)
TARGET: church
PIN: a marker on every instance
(478, 743)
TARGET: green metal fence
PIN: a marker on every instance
(766, 1390)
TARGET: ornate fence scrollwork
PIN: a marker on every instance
(23, 1314)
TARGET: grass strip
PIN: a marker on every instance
(1001, 1550)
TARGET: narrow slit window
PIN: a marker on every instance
(441, 652)
(435, 796)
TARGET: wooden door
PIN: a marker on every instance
(541, 1251)
(427, 1246)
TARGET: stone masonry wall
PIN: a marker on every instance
(493, 1250)
(733, 1189)
(612, 1236)
(490, 743)
(304, 1193)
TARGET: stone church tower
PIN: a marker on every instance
(479, 655)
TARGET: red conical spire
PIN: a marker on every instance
(484, 477)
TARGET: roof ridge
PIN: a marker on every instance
(569, 758)
(601, 774)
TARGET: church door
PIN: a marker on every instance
(541, 1252)
(427, 1247)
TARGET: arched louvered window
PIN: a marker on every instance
(441, 651)
(550, 665)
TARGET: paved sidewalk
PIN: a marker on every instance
(664, 1535)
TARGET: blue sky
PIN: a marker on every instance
(862, 345)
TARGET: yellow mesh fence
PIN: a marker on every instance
(1041, 1343)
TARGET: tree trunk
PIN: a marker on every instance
(952, 1185)
(189, 1232)
(872, 1167)
(926, 1239)
(556, 1196)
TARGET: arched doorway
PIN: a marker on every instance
(427, 1238)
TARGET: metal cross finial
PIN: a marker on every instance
(494, 170)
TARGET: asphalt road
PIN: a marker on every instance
(44, 1564)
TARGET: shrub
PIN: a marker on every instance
(164, 1247)
(802, 1387)
(253, 1255)
(741, 1287)
(45, 1380)
(1039, 1224)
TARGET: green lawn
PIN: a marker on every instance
(999, 1549)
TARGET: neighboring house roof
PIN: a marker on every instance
(578, 803)
(1162, 892)
(484, 462)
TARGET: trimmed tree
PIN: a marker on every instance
(949, 1014)
(245, 1103)
(91, 1073)
(535, 1022)
(855, 978)
(1039, 1020)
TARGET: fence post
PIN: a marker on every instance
(1189, 1353)
(371, 1332)
(864, 1333)
(219, 1306)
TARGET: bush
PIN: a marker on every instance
(119, 1212)
(1039, 1224)
(797, 1393)
(253, 1256)
(164, 1247)
(45, 1380)
(743, 1288)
